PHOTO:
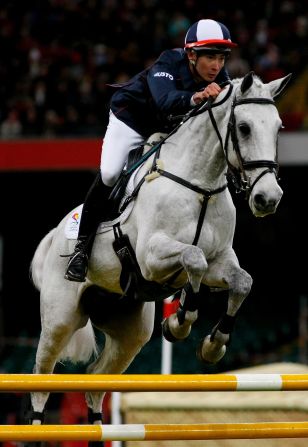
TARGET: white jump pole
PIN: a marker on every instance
(166, 348)
(116, 418)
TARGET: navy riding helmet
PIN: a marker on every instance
(207, 34)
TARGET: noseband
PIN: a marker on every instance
(238, 176)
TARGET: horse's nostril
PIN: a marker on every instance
(263, 203)
(260, 200)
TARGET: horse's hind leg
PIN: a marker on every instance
(50, 345)
(125, 335)
(58, 326)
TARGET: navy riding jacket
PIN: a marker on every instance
(146, 101)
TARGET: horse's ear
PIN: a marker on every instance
(276, 87)
(247, 82)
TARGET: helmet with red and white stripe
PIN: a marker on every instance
(208, 33)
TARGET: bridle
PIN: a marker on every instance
(238, 176)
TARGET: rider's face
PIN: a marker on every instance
(208, 65)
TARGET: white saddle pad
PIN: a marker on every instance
(73, 219)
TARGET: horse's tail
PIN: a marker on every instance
(37, 263)
(81, 346)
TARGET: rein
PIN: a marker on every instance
(200, 108)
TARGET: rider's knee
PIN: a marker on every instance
(109, 178)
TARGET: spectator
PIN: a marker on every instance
(11, 127)
(237, 66)
(56, 56)
(267, 65)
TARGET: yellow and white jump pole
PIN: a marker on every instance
(154, 432)
(152, 382)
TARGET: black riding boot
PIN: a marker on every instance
(96, 209)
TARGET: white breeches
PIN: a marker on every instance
(118, 141)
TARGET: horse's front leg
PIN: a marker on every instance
(161, 258)
(225, 272)
(178, 325)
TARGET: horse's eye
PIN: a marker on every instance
(244, 129)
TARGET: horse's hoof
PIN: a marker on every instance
(167, 332)
(207, 352)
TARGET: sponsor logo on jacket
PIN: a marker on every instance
(163, 74)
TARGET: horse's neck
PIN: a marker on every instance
(195, 153)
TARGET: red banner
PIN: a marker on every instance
(66, 154)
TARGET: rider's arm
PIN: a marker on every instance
(162, 81)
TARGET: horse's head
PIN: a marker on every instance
(253, 130)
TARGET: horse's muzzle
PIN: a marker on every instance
(262, 204)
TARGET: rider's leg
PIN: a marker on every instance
(90, 218)
(118, 141)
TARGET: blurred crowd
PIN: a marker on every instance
(57, 57)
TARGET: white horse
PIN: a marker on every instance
(181, 228)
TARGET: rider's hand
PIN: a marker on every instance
(212, 90)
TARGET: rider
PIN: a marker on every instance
(177, 81)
